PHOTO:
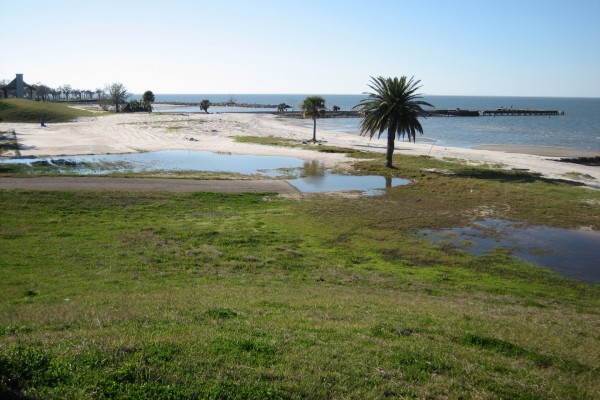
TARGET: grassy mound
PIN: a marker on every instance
(22, 110)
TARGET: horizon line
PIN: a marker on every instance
(361, 94)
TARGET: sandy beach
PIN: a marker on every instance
(141, 132)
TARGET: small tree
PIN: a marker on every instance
(336, 108)
(204, 104)
(313, 107)
(281, 107)
(148, 99)
(117, 94)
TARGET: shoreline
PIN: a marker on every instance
(143, 132)
(546, 151)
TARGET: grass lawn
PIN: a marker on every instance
(254, 296)
(23, 110)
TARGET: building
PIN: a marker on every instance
(16, 88)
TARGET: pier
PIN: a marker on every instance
(520, 111)
(503, 111)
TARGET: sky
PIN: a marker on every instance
(480, 48)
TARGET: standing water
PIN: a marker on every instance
(572, 253)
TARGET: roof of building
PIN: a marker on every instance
(13, 85)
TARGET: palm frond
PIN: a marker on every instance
(392, 106)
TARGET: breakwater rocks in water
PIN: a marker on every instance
(591, 161)
(222, 104)
(327, 114)
(503, 111)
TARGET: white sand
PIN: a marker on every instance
(126, 133)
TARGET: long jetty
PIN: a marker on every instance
(433, 113)
(457, 112)
(503, 111)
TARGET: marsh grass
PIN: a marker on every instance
(200, 295)
(277, 141)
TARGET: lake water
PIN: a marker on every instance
(572, 253)
(578, 129)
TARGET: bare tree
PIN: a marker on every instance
(118, 94)
(66, 90)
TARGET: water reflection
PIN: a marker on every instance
(371, 184)
(313, 168)
(571, 253)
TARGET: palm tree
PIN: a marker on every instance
(394, 106)
(147, 100)
(313, 107)
(204, 104)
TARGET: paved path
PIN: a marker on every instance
(149, 185)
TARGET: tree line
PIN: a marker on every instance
(113, 97)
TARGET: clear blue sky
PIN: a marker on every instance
(484, 47)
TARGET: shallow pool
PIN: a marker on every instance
(572, 253)
(311, 176)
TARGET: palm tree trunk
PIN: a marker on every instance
(390, 150)
(314, 139)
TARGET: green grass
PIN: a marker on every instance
(155, 295)
(253, 296)
(22, 110)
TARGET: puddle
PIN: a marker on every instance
(372, 185)
(169, 160)
(571, 253)
(312, 175)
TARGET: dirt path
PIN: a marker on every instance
(151, 185)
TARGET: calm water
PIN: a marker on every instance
(312, 175)
(571, 253)
(579, 128)
(372, 185)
